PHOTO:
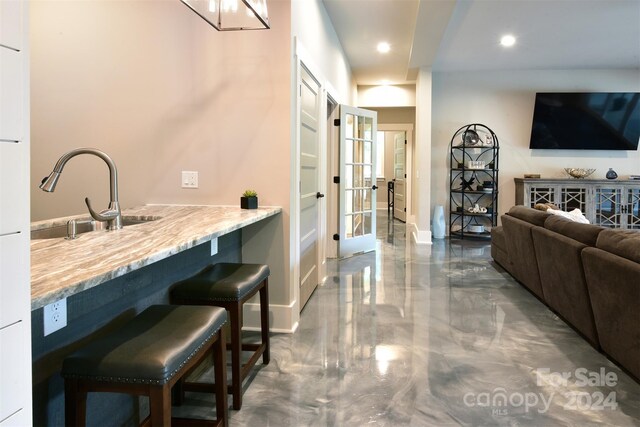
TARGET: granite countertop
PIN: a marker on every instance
(61, 268)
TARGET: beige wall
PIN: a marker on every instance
(504, 101)
(391, 115)
(387, 96)
(161, 91)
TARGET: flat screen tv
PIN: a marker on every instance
(586, 121)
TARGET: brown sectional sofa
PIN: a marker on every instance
(587, 274)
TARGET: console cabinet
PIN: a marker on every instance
(614, 203)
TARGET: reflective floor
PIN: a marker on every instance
(431, 336)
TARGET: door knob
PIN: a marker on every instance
(319, 195)
(375, 187)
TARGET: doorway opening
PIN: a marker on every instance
(396, 140)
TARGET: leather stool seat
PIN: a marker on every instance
(148, 355)
(230, 285)
(222, 282)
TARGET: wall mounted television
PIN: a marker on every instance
(586, 121)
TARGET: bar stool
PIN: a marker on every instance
(146, 357)
(230, 285)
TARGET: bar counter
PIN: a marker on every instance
(61, 268)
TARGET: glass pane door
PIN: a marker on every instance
(357, 180)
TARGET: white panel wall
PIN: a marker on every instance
(312, 27)
(15, 295)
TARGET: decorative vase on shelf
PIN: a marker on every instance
(611, 174)
(438, 222)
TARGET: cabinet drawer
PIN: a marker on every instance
(12, 369)
(11, 94)
(14, 188)
(11, 23)
(14, 278)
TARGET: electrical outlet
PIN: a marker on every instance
(189, 179)
(214, 246)
(55, 316)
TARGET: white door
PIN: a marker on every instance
(357, 215)
(309, 111)
(399, 175)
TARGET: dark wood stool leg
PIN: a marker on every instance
(235, 313)
(160, 405)
(220, 371)
(264, 320)
(75, 403)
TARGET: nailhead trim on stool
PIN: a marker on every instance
(230, 285)
(146, 357)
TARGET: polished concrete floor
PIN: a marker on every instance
(431, 336)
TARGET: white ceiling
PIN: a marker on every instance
(464, 35)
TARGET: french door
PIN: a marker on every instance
(399, 174)
(357, 211)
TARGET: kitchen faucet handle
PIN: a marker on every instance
(105, 215)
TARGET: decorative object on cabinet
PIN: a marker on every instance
(249, 200)
(244, 15)
(579, 172)
(611, 174)
(470, 138)
(614, 204)
(473, 181)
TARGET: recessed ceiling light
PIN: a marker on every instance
(384, 47)
(385, 82)
(508, 40)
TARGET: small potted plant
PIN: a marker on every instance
(249, 200)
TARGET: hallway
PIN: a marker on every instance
(431, 336)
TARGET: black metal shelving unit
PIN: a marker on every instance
(473, 181)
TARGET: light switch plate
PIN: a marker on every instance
(189, 179)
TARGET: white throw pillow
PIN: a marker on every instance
(575, 215)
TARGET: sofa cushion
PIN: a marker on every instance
(624, 243)
(563, 280)
(532, 216)
(522, 255)
(583, 233)
(499, 248)
(614, 290)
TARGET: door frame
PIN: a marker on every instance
(302, 56)
(408, 162)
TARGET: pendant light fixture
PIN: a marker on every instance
(232, 15)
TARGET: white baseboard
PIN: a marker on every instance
(421, 237)
(281, 318)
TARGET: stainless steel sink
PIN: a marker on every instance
(82, 226)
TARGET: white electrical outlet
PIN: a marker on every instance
(214, 246)
(189, 179)
(55, 316)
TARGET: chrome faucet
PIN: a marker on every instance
(112, 214)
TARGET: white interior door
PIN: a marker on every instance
(399, 176)
(309, 113)
(357, 215)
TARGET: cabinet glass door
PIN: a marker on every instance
(633, 208)
(608, 203)
(541, 195)
(573, 198)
